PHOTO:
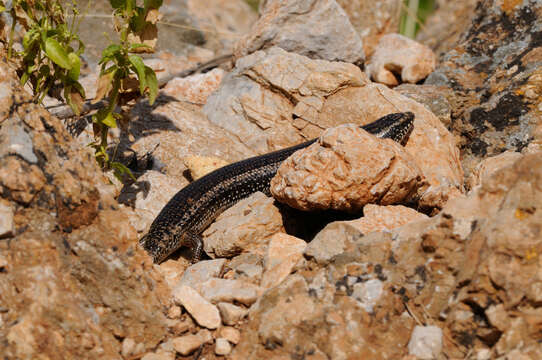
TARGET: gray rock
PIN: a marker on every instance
(6, 220)
(205, 313)
(258, 99)
(425, 342)
(331, 241)
(246, 226)
(222, 347)
(318, 29)
(231, 314)
(228, 290)
(14, 140)
(201, 272)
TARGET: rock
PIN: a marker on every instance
(346, 169)
(149, 195)
(14, 140)
(222, 347)
(110, 291)
(226, 290)
(174, 312)
(283, 253)
(19, 180)
(247, 266)
(398, 56)
(169, 131)
(230, 333)
(231, 314)
(246, 226)
(223, 22)
(202, 165)
(372, 20)
(158, 356)
(426, 342)
(195, 88)
(256, 102)
(494, 79)
(128, 347)
(444, 26)
(432, 98)
(6, 220)
(205, 313)
(380, 218)
(187, 344)
(287, 25)
(490, 165)
(200, 272)
(334, 239)
(433, 148)
(368, 293)
(172, 271)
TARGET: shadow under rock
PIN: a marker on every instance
(306, 224)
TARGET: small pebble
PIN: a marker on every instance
(222, 347)
(128, 347)
(231, 314)
(231, 334)
(205, 313)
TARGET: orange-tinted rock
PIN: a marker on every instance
(380, 218)
(346, 169)
(396, 55)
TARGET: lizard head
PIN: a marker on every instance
(397, 126)
(159, 243)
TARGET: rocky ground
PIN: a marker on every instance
(429, 250)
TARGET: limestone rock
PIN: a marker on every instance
(187, 344)
(169, 131)
(149, 195)
(372, 20)
(288, 24)
(231, 314)
(432, 146)
(346, 169)
(226, 290)
(426, 342)
(490, 165)
(283, 253)
(205, 313)
(6, 220)
(380, 218)
(396, 55)
(200, 272)
(230, 333)
(222, 347)
(195, 88)
(494, 73)
(202, 165)
(257, 100)
(66, 222)
(246, 226)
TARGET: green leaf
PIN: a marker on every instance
(75, 63)
(152, 4)
(25, 78)
(109, 120)
(139, 68)
(110, 52)
(118, 4)
(121, 169)
(138, 46)
(152, 83)
(56, 53)
(29, 38)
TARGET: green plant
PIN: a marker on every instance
(119, 68)
(50, 60)
(51, 49)
(413, 15)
